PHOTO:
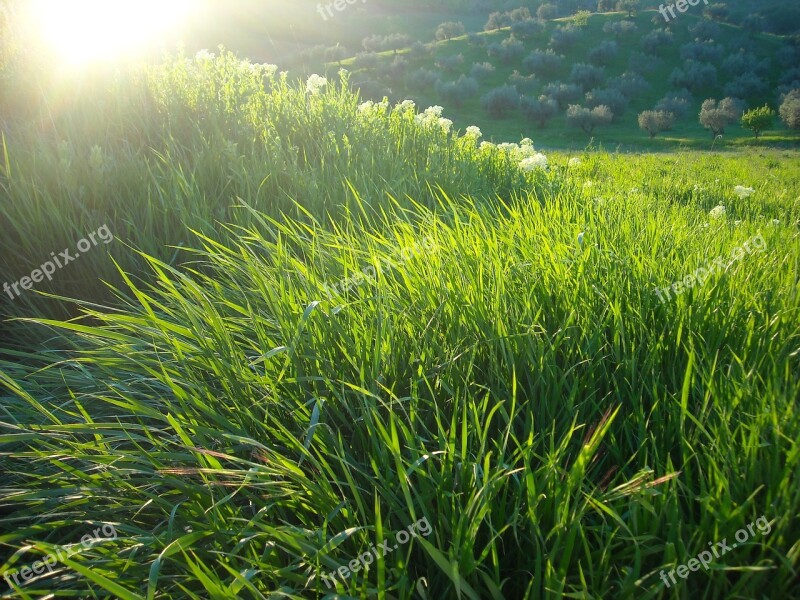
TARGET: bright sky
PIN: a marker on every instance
(86, 31)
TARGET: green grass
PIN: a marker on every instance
(624, 132)
(521, 388)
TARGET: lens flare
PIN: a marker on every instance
(84, 31)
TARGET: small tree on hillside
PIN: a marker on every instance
(717, 116)
(449, 30)
(655, 121)
(547, 11)
(716, 12)
(628, 6)
(758, 119)
(620, 29)
(500, 101)
(539, 110)
(790, 109)
(588, 119)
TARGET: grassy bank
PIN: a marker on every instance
(390, 326)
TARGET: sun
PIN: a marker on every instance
(85, 31)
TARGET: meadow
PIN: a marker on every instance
(248, 427)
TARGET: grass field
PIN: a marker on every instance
(332, 324)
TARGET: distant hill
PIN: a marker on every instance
(646, 60)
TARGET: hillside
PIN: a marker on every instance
(424, 75)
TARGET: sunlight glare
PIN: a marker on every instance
(83, 31)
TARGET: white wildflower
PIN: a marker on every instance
(718, 212)
(473, 131)
(486, 146)
(776, 222)
(538, 161)
(405, 106)
(526, 142)
(366, 107)
(743, 192)
(507, 147)
(315, 84)
(434, 111)
(574, 162)
(445, 124)
(204, 56)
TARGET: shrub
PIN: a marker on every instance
(790, 109)
(704, 30)
(677, 103)
(366, 60)
(539, 110)
(419, 50)
(746, 86)
(565, 36)
(500, 101)
(656, 40)
(423, 79)
(451, 63)
(702, 51)
(694, 76)
(519, 15)
(620, 29)
(547, 11)
(753, 23)
(745, 62)
(396, 41)
(527, 28)
(373, 43)
(523, 83)
(629, 6)
(336, 53)
(481, 70)
(788, 55)
(497, 20)
(454, 92)
(643, 63)
(588, 119)
(604, 53)
(563, 93)
(717, 116)
(508, 51)
(543, 64)
(449, 30)
(475, 39)
(758, 119)
(629, 84)
(587, 76)
(613, 99)
(398, 68)
(655, 121)
(716, 12)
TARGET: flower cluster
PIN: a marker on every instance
(315, 84)
(524, 155)
(473, 132)
(432, 118)
(718, 212)
(743, 192)
(371, 108)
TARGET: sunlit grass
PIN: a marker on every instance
(563, 431)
